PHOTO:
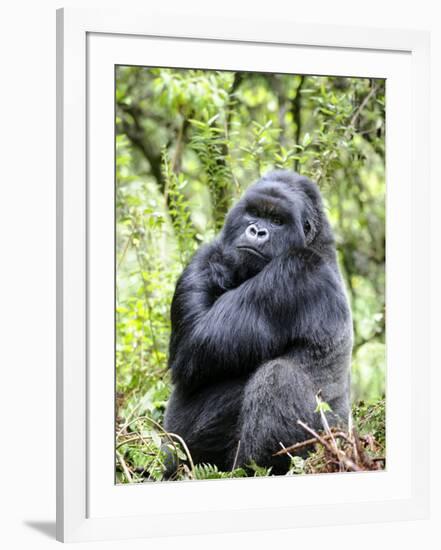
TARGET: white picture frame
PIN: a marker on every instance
(89, 505)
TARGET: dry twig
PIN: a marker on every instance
(124, 466)
(334, 450)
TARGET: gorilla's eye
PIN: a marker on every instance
(276, 220)
(253, 212)
(306, 227)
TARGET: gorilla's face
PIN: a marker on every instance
(281, 212)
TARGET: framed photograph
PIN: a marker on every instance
(242, 284)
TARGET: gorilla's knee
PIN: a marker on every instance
(276, 397)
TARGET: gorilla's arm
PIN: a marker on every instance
(219, 331)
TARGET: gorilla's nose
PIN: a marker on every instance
(256, 234)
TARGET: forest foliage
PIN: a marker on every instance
(188, 143)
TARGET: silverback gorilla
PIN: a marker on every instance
(260, 325)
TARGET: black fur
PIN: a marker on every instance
(260, 324)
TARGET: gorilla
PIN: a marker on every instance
(260, 324)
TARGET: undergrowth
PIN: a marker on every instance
(142, 443)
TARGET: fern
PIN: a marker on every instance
(211, 471)
(209, 141)
(179, 210)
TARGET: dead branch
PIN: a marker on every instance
(350, 465)
(124, 466)
(236, 456)
(308, 442)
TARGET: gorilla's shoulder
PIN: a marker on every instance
(206, 255)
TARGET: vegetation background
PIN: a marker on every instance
(188, 143)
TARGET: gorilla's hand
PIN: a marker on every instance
(228, 268)
(221, 270)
